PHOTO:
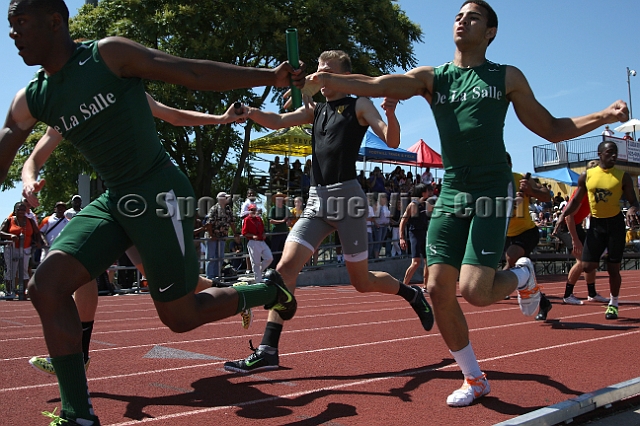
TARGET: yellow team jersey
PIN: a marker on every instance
(604, 188)
(521, 220)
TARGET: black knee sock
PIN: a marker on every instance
(591, 288)
(87, 329)
(271, 335)
(407, 293)
(568, 290)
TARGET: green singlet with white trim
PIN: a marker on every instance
(470, 106)
(108, 119)
(468, 224)
(79, 102)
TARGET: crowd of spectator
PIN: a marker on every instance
(221, 236)
(27, 240)
(290, 177)
(546, 213)
(294, 178)
(285, 204)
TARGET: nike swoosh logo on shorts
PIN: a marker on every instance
(162, 290)
(487, 252)
(84, 62)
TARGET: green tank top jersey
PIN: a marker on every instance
(470, 106)
(107, 118)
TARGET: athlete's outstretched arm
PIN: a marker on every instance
(393, 125)
(17, 127)
(45, 146)
(127, 58)
(180, 117)
(367, 112)
(417, 82)
(42, 151)
(537, 119)
(274, 120)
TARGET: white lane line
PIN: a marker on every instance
(389, 341)
(315, 329)
(355, 383)
(37, 327)
(235, 321)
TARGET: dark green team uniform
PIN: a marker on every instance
(109, 120)
(469, 223)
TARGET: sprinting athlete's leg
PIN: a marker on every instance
(304, 238)
(134, 256)
(95, 237)
(577, 269)
(265, 356)
(50, 290)
(86, 299)
(469, 248)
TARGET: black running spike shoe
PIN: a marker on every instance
(422, 308)
(259, 360)
(545, 307)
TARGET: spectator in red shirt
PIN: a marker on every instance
(259, 251)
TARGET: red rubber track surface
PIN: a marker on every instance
(346, 359)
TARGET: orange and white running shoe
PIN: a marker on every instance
(471, 390)
(529, 296)
(247, 318)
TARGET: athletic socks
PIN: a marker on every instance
(613, 301)
(253, 295)
(591, 288)
(74, 392)
(87, 329)
(467, 361)
(522, 275)
(568, 290)
(271, 337)
(407, 293)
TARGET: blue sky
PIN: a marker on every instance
(574, 54)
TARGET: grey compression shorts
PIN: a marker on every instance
(338, 207)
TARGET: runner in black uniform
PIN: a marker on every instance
(336, 200)
(416, 219)
(93, 94)
(469, 98)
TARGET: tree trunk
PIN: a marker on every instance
(243, 157)
(245, 145)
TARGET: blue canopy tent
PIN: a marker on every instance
(374, 149)
(564, 175)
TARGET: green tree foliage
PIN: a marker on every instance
(376, 33)
(60, 171)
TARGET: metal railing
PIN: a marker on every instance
(577, 152)
(325, 256)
